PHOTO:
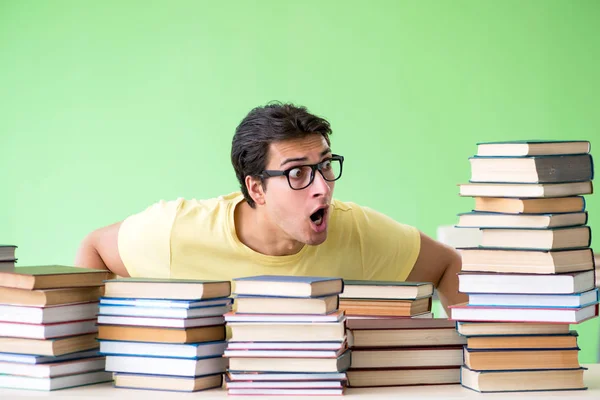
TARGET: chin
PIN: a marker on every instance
(316, 239)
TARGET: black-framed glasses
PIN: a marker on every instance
(301, 176)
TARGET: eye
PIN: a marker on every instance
(325, 165)
(296, 173)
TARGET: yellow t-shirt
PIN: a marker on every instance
(196, 239)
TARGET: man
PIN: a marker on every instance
(284, 221)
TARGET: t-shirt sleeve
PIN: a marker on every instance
(389, 248)
(145, 240)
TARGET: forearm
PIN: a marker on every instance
(448, 285)
(87, 256)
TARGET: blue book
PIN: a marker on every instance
(288, 286)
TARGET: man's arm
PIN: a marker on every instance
(100, 250)
(440, 264)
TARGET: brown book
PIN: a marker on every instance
(399, 323)
(49, 297)
(526, 261)
(382, 377)
(543, 239)
(520, 359)
(524, 342)
(523, 381)
(388, 308)
(373, 338)
(507, 205)
(393, 357)
(478, 219)
(178, 289)
(53, 277)
(49, 347)
(510, 328)
(162, 335)
(170, 383)
(532, 169)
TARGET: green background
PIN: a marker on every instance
(109, 106)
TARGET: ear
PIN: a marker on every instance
(256, 189)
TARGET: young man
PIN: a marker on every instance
(284, 221)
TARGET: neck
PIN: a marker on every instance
(256, 231)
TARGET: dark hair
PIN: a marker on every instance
(263, 126)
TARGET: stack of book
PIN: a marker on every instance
(533, 272)
(288, 337)
(394, 339)
(164, 334)
(7, 257)
(48, 327)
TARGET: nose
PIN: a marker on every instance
(320, 187)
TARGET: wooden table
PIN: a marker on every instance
(106, 391)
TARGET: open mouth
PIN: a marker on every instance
(318, 216)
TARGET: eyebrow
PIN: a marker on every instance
(289, 160)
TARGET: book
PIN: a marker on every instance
(297, 365)
(508, 205)
(575, 300)
(288, 286)
(287, 331)
(479, 219)
(363, 289)
(404, 338)
(166, 366)
(526, 190)
(568, 283)
(52, 277)
(7, 252)
(510, 328)
(532, 169)
(533, 147)
(543, 239)
(162, 335)
(520, 359)
(466, 312)
(381, 377)
(526, 261)
(430, 356)
(177, 289)
(168, 383)
(54, 383)
(53, 369)
(281, 305)
(175, 350)
(49, 347)
(507, 342)
(518, 381)
(49, 297)
(49, 314)
(390, 308)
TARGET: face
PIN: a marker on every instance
(300, 215)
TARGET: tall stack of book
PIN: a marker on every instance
(48, 327)
(533, 273)
(394, 339)
(288, 337)
(7, 257)
(164, 334)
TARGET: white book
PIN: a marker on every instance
(164, 303)
(575, 282)
(166, 366)
(160, 322)
(59, 382)
(513, 314)
(37, 359)
(195, 350)
(48, 315)
(49, 331)
(534, 300)
(164, 312)
(50, 370)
